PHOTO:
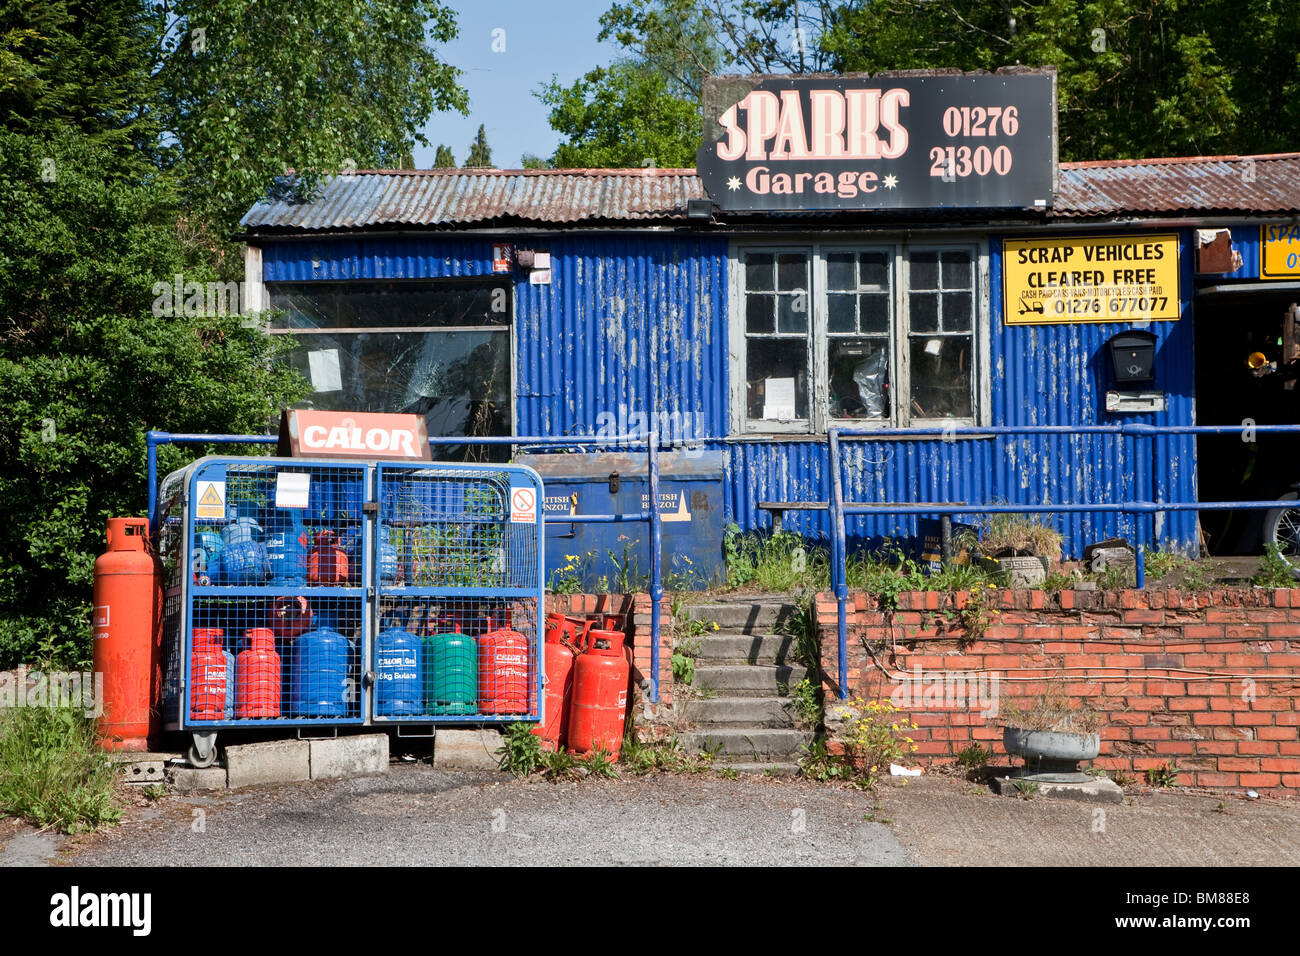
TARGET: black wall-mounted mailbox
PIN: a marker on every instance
(1134, 357)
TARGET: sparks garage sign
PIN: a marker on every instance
(799, 143)
(1091, 279)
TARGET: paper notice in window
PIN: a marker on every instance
(933, 346)
(324, 367)
(292, 489)
(778, 398)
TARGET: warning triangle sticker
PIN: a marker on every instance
(211, 497)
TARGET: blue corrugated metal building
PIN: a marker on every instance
(751, 335)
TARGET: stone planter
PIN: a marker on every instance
(1019, 572)
(1051, 756)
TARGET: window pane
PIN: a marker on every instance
(957, 270)
(760, 313)
(774, 365)
(791, 271)
(875, 312)
(458, 381)
(839, 272)
(859, 378)
(375, 305)
(792, 312)
(924, 311)
(925, 270)
(957, 311)
(758, 272)
(875, 270)
(941, 377)
(839, 314)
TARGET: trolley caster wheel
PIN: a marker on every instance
(203, 751)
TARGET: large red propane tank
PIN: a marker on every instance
(209, 675)
(127, 627)
(257, 677)
(561, 649)
(599, 696)
(503, 684)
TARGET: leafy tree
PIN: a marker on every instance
(533, 161)
(622, 116)
(443, 159)
(86, 366)
(480, 153)
(250, 89)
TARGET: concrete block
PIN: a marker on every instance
(1096, 790)
(280, 761)
(141, 768)
(349, 756)
(466, 749)
(188, 779)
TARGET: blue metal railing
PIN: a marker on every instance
(650, 440)
(839, 508)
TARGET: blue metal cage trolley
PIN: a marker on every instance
(314, 593)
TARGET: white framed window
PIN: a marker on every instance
(872, 334)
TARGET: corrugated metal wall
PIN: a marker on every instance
(619, 307)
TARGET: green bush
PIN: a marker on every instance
(50, 772)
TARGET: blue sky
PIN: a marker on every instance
(541, 39)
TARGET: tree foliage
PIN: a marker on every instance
(443, 159)
(1137, 78)
(480, 153)
(252, 89)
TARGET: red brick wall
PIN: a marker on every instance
(1208, 682)
(637, 629)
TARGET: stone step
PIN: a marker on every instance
(740, 711)
(749, 680)
(752, 743)
(742, 648)
(745, 618)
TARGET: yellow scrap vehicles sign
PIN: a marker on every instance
(1280, 251)
(1130, 278)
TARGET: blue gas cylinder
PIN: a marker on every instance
(286, 549)
(206, 560)
(399, 680)
(243, 554)
(390, 565)
(321, 661)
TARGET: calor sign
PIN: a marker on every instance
(317, 434)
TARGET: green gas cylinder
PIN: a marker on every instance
(451, 673)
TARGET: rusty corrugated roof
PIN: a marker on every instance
(439, 197)
(462, 197)
(1202, 184)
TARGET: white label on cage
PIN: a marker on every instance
(212, 500)
(324, 367)
(292, 489)
(523, 506)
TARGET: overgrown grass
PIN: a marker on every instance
(50, 772)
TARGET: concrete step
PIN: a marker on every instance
(749, 680)
(743, 617)
(745, 648)
(752, 743)
(740, 711)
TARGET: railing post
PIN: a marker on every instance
(839, 547)
(151, 440)
(656, 576)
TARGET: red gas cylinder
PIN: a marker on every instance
(328, 562)
(127, 625)
(208, 675)
(290, 616)
(561, 649)
(257, 676)
(599, 695)
(503, 684)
